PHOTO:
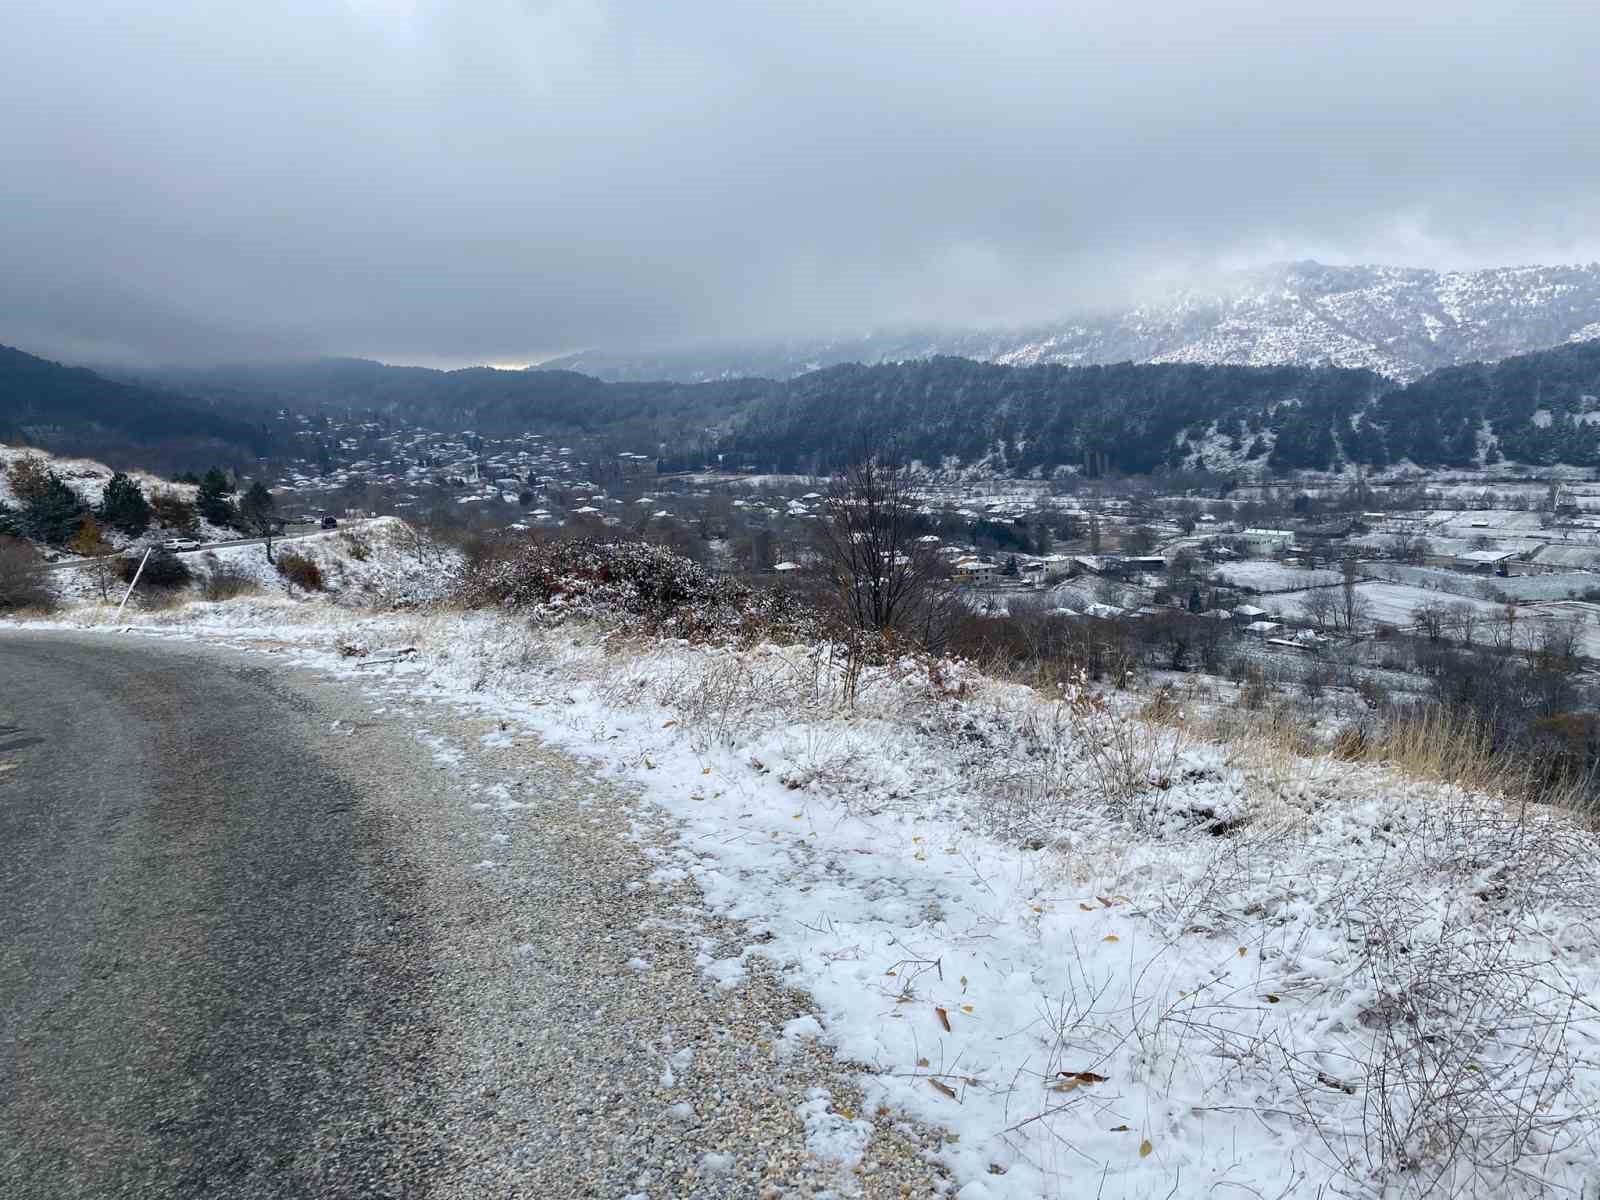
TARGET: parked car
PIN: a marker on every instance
(330, 522)
(179, 545)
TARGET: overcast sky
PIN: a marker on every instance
(498, 180)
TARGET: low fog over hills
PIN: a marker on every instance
(1397, 321)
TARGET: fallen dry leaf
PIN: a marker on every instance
(1111, 937)
(1144, 1148)
(944, 1018)
(1121, 1129)
(945, 1088)
(922, 1062)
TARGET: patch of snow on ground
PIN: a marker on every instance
(1088, 949)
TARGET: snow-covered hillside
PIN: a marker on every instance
(1105, 957)
(84, 476)
(1399, 321)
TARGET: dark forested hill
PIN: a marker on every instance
(1540, 408)
(1134, 419)
(479, 398)
(69, 410)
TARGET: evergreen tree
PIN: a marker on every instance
(256, 509)
(54, 512)
(212, 501)
(123, 506)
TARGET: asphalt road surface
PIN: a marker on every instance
(227, 545)
(268, 934)
(208, 950)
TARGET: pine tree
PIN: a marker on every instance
(212, 500)
(123, 506)
(53, 513)
(256, 509)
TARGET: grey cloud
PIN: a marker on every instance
(497, 180)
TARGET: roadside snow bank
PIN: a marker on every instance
(1109, 960)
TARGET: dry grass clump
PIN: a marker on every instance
(301, 571)
(225, 581)
(1433, 743)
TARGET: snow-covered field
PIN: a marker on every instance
(1387, 603)
(1264, 576)
(1110, 959)
(1565, 586)
(1584, 557)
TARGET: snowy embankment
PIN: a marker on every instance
(380, 562)
(1108, 959)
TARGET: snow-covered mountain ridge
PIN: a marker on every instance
(1399, 321)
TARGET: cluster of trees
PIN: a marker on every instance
(49, 511)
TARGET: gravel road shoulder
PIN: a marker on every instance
(583, 1048)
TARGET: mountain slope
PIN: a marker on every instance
(74, 411)
(1541, 409)
(1399, 322)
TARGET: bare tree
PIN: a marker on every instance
(1354, 608)
(90, 542)
(1321, 608)
(1463, 619)
(1431, 619)
(884, 578)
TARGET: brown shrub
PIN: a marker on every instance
(301, 571)
(22, 576)
(225, 581)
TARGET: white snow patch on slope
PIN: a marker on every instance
(1137, 1001)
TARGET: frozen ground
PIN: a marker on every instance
(83, 475)
(1264, 576)
(1107, 958)
(1387, 603)
(380, 562)
(1566, 586)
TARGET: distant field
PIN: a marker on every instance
(1274, 577)
(1570, 556)
(1388, 603)
(1517, 587)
